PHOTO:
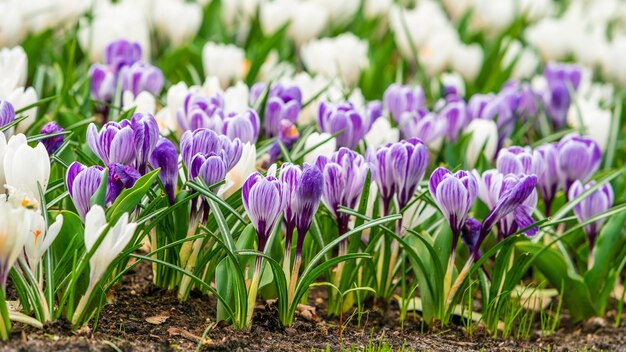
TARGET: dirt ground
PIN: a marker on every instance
(145, 318)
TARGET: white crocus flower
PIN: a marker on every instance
(14, 227)
(26, 168)
(20, 98)
(524, 60)
(275, 14)
(236, 97)
(13, 70)
(307, 22)
(381, 133)
(595, 122)
(166, 117)
(12, 27)
(339, 12)
(344, 56)
(167, 20)
(376, 8)
(224, 61)
(240, 172)
(467, 60)
(484, 138)
(39, 238)
(327, 148)
(143, 103)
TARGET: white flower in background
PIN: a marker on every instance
(224, 61)
(381, 133)
(12, 28)
(344, 56)
(524, 59)
(273, 69)
(143, 103)
(457, 8)
(613, 64)
(412, 28)
(3, 150)
(552, 37)
(484, 138)
(307, 22)
(240, 172)
(438, 52)
(25, 167)
(20, 98)
(594, 121)
(166, 117)
(327, 148)
(376, 8)
(318, 87)
(340, 12)
(177, 20)
(13, 69)
(236, 97)
(492, 17)
(239, 12)
(40, 15)
(468, 60)
(535, 9)
(39, 238)
(14, 227)
(112, 21)
(275, 14)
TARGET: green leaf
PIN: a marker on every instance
(129, 198)
(99, 198)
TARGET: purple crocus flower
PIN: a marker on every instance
(199, 111)
(307, 199)
(283, 103)
(165, 157)
(146, 136)
(52, 143)
(210, 168)
(454, 194)
(525, 99)
(344, 175)
(594, 204)
(455, 116)
(578, 159)
(103, 82)
(82, 183)
(121, 53)
(399, 99)
(334, 118)
(120, 177)
(264, 199)
(290, 175)
(423, 125)
(477, 104)
(141, 76)
(208, 143)
(519, 160)
(114, 143)
(7, 113)
(470, 233)
(560, 79)
(287, 135)
(244, 125)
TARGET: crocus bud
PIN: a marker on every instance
(52, 143)
(82, 183)
(264, 199)
(146, 136)
(165, 157)
(519, 160)
(578, 159)
(283, 103)
(484, 138)
(114, 143)
(26, 168)
(7, 113)
(455, 116)
(399, 99)
(307, 199)
(210, 168)
(548, 179)
(454, 194)
(409, 162)
(594, 204)
(290, 175)
(344, 118)
(121, 53)
(423, 125)
(470, 233)
(561, 78)
(207, 143)
(120, 177)
(103, 83)
(199, 111)
(244, 125)
(141, 76)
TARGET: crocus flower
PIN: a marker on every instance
(82, 183)
(484, 139)
(226, 62)
(26, 168)
(103, 82)
(165, 157)
(283, 103)
(455, 116)
(40, 238)
(199, 111)
(244, 125)
(287, 135)
(399, 99)
(290, 175)
(307, 199)
(560, 78)
(114, 143)
(245, 167)
(548, 179)
(381, 133)
(140, 77)
(519, 160)
(578, 159)
(7, 113)
(264, 198)
(208, 143)
(344, 118)
(210, 168)
(344, 175)
(121, 53)
(120, 177)
(594, 204)
(423, 125)
(14, 227)
(454, 194)
(53, 143)
(146, 135)
(319, 144)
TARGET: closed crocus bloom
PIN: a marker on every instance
(226, 62)
(82, 183)
(454, 194)
(120, 53)
(426, 126)
(290, 175)
(54, 142)
(146, 136)
(114, 143)
(519, 160)
(409, 161)
(319, 144)
(244, 125)
(14, 227)
(308, 194)
(21, 98)
(7, 113)
(380, 163)
(245, 167)
(484, 138)
(578, 159)
(208, 143)
(120, 178)
(167, 15)
(264, 198)
(165, 157)
(381, 133)
(143, 102)
(199, 111)
(26, 168)
(548, 179)
(13, 69)
(594, 204)
(399, 99)
(561, 78)
(141, 76)
(209, 168)
(103, 82)
(344, 118)
(283, 103)
(455, 116)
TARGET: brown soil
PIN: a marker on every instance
(124, 325)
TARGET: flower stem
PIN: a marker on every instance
(294, 279)
(5, 322)
(252, 291)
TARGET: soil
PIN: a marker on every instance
(146, 318)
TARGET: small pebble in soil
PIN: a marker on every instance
(290, 331)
